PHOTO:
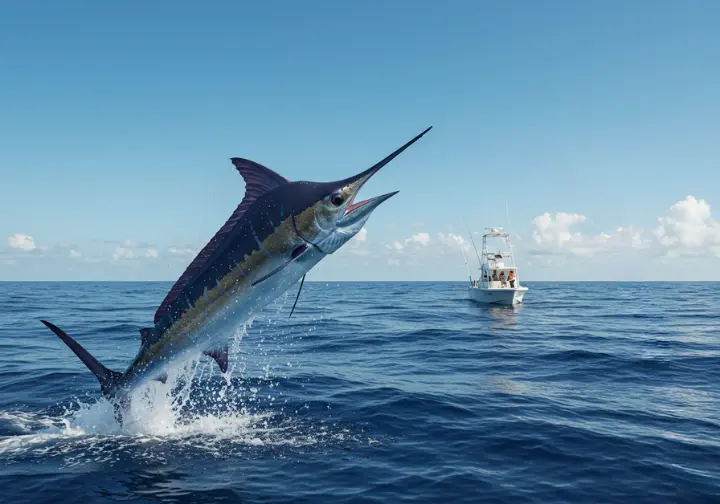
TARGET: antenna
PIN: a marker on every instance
(507, 224)
(473, 242)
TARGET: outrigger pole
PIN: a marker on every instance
(466, 264)
(473, 242)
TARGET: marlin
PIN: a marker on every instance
(280, 231)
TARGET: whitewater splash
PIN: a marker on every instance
(197, 407)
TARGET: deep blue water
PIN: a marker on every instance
(396, 392)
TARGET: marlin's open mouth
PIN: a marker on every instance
(352, 206)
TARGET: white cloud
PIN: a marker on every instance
(420, 238)
(415, 242)
(21, 242)
(131, 249)
(358, 244)
(122, 253)
(359, 251)
(555, 230)
(361, 236)
(689, 229)
(423, 249)
(452, 243)
(452, 240)
(554, 234)
(182, 251)
(632, 237)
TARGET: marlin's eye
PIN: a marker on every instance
(337, 198)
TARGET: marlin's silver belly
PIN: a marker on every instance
(240, 306)
(244, 305)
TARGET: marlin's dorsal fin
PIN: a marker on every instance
(258, 178)
(220, 355)
(258, 181)
(144, 333)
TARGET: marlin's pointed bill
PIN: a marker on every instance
(279, 232)
(355, 183)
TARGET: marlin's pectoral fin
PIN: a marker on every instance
(161, 377)
(297, 253)
(298, 296)
(219, 355)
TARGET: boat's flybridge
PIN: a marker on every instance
(498, 273)
(497, 269)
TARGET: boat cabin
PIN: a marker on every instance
(497, 270)
(502, 277)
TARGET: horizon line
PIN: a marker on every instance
(374, 281)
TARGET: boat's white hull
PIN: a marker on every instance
(507, 296)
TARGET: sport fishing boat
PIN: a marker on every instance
(498, 282)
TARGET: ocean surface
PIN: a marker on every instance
(374, 392)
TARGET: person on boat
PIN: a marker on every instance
(502, 278)
(511, 278)
(494, 277)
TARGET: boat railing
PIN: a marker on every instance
(496, 284)
(503, 253)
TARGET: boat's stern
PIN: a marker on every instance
(519, 295)
(511, 296)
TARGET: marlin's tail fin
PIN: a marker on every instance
(105, 376)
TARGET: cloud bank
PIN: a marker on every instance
(558, 245)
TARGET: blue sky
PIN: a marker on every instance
(118, 121)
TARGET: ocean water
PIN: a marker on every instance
(374, 392)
